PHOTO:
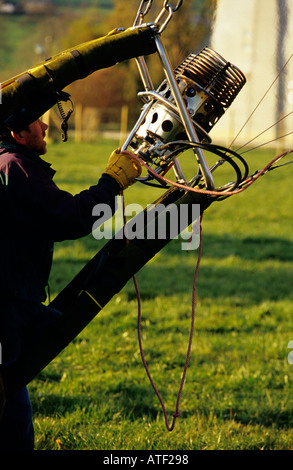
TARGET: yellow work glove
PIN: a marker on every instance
(123, 168)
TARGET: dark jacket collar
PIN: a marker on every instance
(20, 149)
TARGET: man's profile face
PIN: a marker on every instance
(33, 137)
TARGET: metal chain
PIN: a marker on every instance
(142, 12)
(168, 7)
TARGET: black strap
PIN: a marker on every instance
(80, 63)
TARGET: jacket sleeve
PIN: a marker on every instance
(41, 207)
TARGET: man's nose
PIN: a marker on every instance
(44, 126)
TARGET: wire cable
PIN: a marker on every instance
(176, 414)
(242, 184)
(217, 193)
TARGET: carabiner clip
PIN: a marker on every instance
(168, 5)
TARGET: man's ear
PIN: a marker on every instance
(18, 136)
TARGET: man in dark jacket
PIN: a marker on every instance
(35, 213)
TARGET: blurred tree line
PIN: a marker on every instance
(28, 39)
(187, 32)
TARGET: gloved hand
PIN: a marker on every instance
(123, 168)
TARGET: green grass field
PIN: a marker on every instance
(238, 393)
